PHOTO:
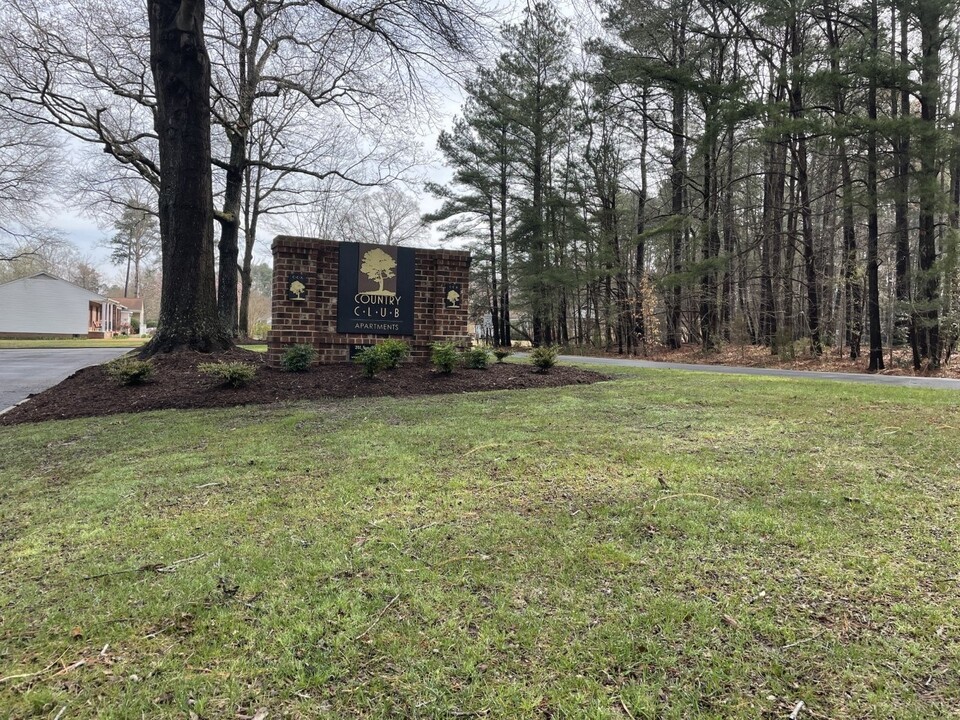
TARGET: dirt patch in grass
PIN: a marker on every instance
(177, 383)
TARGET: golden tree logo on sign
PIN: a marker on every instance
(452, 296)
(376, 289)
(378, 267)
(296, 286)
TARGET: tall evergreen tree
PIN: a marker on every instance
(536, 67)
(135, 241)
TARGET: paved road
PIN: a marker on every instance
(23, 372)
(903, 381)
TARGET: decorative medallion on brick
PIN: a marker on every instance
(451, 295)
(296, 286)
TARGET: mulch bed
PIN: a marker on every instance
(176, 383)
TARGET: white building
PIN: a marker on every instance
(131, 308)
(46, 306)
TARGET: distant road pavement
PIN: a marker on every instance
(900, 380)
(25, 372)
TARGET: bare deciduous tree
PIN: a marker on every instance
(388, 216)
(29, 166)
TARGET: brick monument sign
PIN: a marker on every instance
(341, 297)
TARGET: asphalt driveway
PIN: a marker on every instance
(24, 372)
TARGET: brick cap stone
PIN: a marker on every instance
(297, 242)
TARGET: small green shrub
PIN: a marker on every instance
(372, 359)
(129, 370)
(394, 352)
(444, 357)
(544, 357)
(384, 356)
(232, 374)
(477, 358)
(298, 358)
(501, 353)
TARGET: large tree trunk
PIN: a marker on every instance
(727, 297)
(504, 257)
(639, 326)
(803, 188)
(727, 218)
(873, 229)
(951, 278)
(927, 316)
(853, 288)
(771, 240)
(809, 257)
(181, 72)
(541, 320)
(785, 278)
(494, 290)
(901, 195)
(229, 245)
(237, 173)
(252, 218)
(772, 227)
(709, 318)
(674, 296)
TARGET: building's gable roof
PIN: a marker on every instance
(134, 304)
(48, 276)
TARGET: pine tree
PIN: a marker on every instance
(538, 92)
(137, 238)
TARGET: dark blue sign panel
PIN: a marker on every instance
(376, 287)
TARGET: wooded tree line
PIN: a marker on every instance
(713, 171)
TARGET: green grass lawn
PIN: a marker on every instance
(668, 545)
